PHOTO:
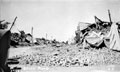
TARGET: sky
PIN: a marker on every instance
(56, 18)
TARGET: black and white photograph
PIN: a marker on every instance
(59, 35)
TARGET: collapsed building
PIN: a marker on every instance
(98, 35)
(21, 39)
(54, 42)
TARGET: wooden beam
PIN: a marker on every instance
(109, 16)
(13, 23)
(32, 35)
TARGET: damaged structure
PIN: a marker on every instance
(98, 35)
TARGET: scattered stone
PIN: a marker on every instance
(73, 57)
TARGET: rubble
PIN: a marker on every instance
(69, 56)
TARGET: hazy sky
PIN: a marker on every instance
(57, 18)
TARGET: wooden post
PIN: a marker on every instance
(109, 16)
(96, 21)
(13, 23)
(32, 35)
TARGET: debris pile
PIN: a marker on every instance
(98, 29)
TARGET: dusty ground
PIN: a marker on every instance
(34, 68)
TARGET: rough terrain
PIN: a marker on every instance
(69, 58)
